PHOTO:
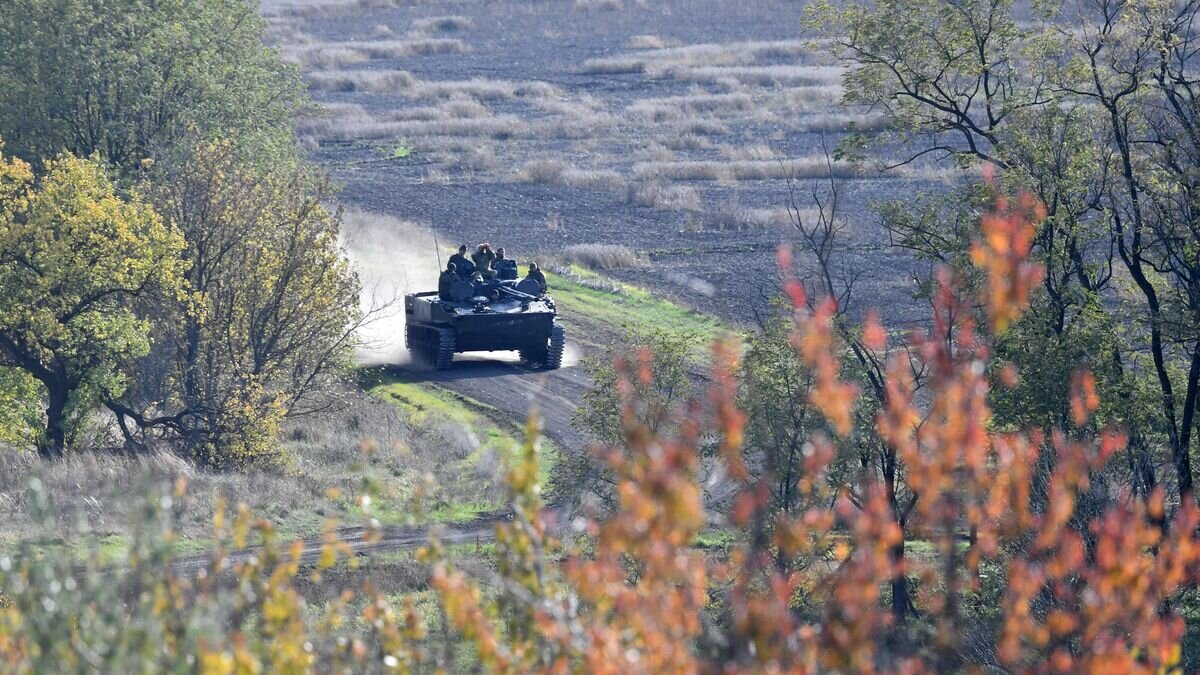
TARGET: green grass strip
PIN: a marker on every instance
(584, 300)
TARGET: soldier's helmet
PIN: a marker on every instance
(451, 267)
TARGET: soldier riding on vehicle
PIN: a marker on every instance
(537, 275)
(463, 265)
(505, 267)
(483, 258)
(447, 277)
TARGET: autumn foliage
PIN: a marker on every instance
(1085, 591)
(799, 590)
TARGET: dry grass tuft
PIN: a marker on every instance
(761, 76)
(463, 107)
(684, 141)
(458, 112)
(474, 157)
(599, 5)
(389, 4)
(678, 107)
(436, 177)
(500, 127)
(584, 124)
(350, 123)
(441, 24)
(323, 57)
(839, 121)
(732, 216)
(601, 256)
(585, 103)
(805, 99)
(321, 122)
(654, 152)
(693, 134)
(316, 8)
(557, 172)
(360, 80)
(702, 127)
(650, 42)
(662, 197)
(759, 152)
(456, 108)
(696, 170)
(299, 9)
(483, 89)
(338, 54)
(402, 82)
(666, 60)
(286, 31)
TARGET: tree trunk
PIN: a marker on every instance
(55, 440)
(900, 600)
(1183, 457)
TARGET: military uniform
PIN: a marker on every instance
(446, 278)
(483, 261)
(464, 267)
(537, 275)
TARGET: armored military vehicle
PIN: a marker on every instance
(491, 315)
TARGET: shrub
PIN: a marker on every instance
(802, 587)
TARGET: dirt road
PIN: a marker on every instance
(514, 391)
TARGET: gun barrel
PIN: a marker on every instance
(517, 294)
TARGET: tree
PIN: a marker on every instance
(271, 310)
(663, 381)
(774, 392)
(1090, 107)
(864, 463)
(21, 411)
(74, 256)
(126, 79)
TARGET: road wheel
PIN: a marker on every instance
(558, 341)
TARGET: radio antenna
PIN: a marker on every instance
(438, 250)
